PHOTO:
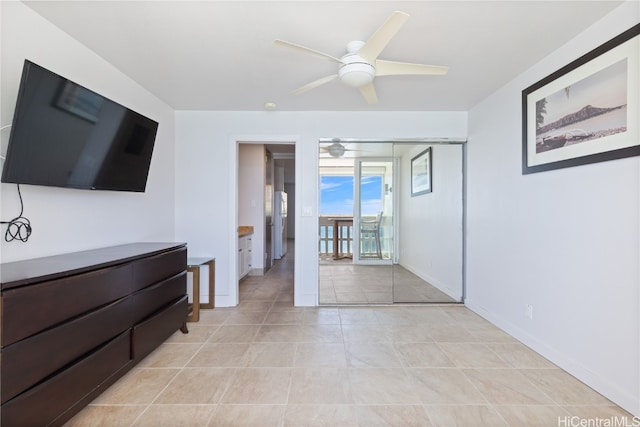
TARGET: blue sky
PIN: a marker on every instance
(336, 195)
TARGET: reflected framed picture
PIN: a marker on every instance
(421, 173)
(587, 111)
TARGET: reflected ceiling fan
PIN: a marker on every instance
(338, 149)
(360, 65)
(335, 149)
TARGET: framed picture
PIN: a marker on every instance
(587, 111)
(421, 173)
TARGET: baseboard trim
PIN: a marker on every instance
(603, 386)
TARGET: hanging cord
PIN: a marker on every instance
(19, 228)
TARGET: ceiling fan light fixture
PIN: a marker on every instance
(356, 74)
(361, 64)
(336, 150)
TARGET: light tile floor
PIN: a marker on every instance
(266, 363)
(342, 282)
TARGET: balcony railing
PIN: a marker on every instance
(337, 232)
(336, 237)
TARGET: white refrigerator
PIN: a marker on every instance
(280, 224)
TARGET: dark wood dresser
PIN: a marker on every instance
(72, 324)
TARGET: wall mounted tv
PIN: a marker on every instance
(66, 135)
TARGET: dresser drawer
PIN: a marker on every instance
(45, 402)
(152, 298)
(159, 267)
(23, 364)
(155, 330)
(31, 309)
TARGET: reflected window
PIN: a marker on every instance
(371, 195)
(336, 195)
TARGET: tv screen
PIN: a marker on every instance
(66, 135)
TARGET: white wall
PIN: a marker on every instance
(290, 189)
(431, 224)
(565, 241)
(251, 178)
(206, 162)
(66, 220)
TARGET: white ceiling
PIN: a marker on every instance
(219, 55)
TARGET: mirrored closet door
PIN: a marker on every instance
(390, 222)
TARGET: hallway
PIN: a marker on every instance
(266, 363)
(261, 293)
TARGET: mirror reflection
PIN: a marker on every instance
(380, 240)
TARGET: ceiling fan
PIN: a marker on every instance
(360, 65)
(335, 149)
(338, 149)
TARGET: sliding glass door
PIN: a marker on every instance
(373, 212)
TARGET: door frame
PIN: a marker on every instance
(232, 237)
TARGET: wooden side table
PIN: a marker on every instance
(338, 237)
(193, 267)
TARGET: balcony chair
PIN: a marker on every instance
(371, 229)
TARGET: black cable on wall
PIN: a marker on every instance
(18, 228)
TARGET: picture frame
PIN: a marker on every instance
(421, 171)
(587, 111)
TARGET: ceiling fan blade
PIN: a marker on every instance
(379, 40)
(314, 84)
(307, 50)
(393, 68)
(369, 93)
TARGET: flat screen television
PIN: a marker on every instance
(65, 135)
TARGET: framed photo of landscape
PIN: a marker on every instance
(421, 173)
(587, 111)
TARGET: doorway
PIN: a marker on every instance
(265, 172)
(381, 242)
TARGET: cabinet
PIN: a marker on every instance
(71, 325)
(245, 248)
